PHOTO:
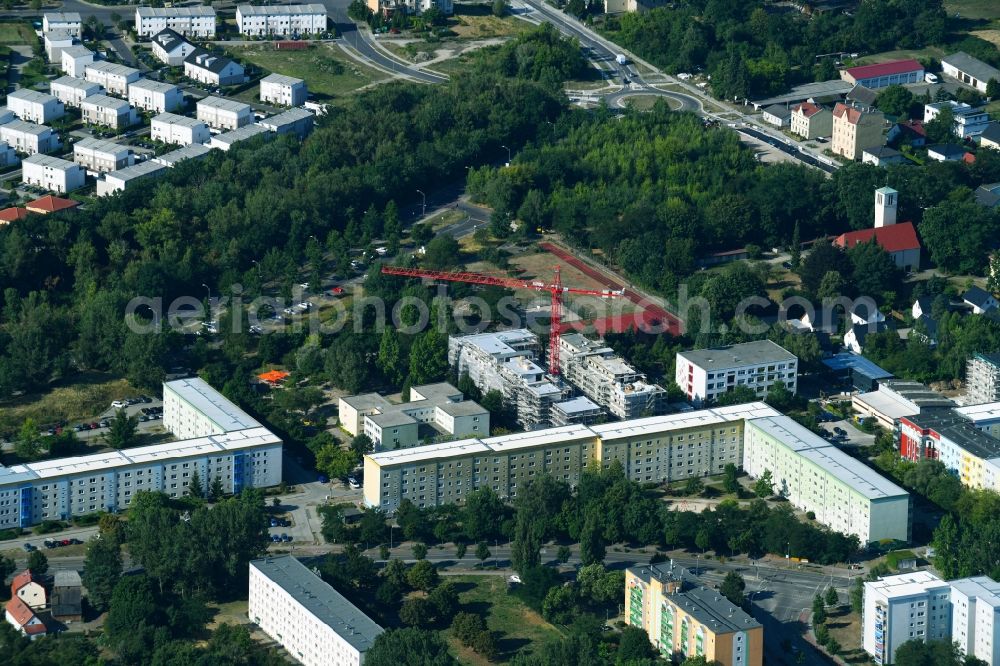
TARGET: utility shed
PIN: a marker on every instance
(66, 596)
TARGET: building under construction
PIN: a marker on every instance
(505, 361)
(604, 377)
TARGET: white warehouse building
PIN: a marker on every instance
(283, 90)
(171, 128)
(52, 173)
(71, 91)
(311, 620)
(269, 20)
(29, 138)
(196, 22)
(115, 78)
(224, 114)
(100, 156)
(35, 107)
(155, 96)
(246, 456)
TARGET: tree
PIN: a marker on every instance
(832, 598)
(916, 652)
(7, 567)
(764, 487)
(38, 564)
(795, 247)
(195, 488)
(417, 612)
(122, 430)
(442, 252)
(634, 647)
(729, 482)
(736, 396)
(216, 490)
(482, 552)
(419, 551)
(732, 588)
(499, 7)
(942, 128)
(428, 357)
(422, 576)
(29, 441)
(693, 487)
(819, 610)
(362, 445)
(460, 549)
(591, 539)
(133, 613)
(335, 462)
(857, 595)
(559, 605)
(832, 645)
(465, 626)
(563, 554)
(421, 233)
(102, 569)
(409, 647)
(895, 100)
(992, 89)
(444, 599)
(482, 514)
(390, 360)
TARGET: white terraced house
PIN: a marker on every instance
(75, 60)
(215, 70)
(230, 445)
(171, 128)
(155, 96)
(118, 181)
(55, 42)
(35, 107)
(293, 121)
(224, 114)
(114, 78)
(283, 90)
(170, 47)
(270, 20)
(108, 111)
(29, 138)
(52, 173)
(71, 91)
(66, 21)
(100, 156)
(198, 22)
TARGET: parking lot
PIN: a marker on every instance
(148, 411)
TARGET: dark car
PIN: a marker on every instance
(275, 538)
(29, 548)
(323, 478)
(274, 522)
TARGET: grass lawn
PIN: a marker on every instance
(647, 102)
(514, 624)
(845, 626)
(903, 54)
(974, 9)
(81, 400)
(478, 22)
(325, 68)
(993, 108)
(17, 33)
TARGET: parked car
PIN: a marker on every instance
(323, 478)
(275, 538)
(274, 522)
(28, 548)
(353, 483)
(118, 404)
(286, 538)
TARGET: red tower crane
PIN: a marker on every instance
(556, 289)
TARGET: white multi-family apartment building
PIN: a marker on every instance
(75, 60)
(897, 609)
(397, 425)
(55, 42)
(192, 408)
(52, 173)
(705, 374)
(229, 139)
(170, 47)
(293, 121)
(224, 114)
(108, 111)
(71, 91)
(119, 181)
(920, 606)
(115, 78)
(35, 107)
(666, 448)
(814, 475)
(283, 90)
(269, 20)
(155, 96)
(61, 488)
(198, 22)
(171, 128)
(29, 138)
(212, 69)
(315, 624)
(100, 156)
(66, 21)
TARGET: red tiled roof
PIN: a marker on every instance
(20, 611)
(807, 109)
(968, 158)
(51, 204)
(20, 580)
(849, 112)
(894, 238)
(884, 69)
(33, 629)
(915, 126)
(13, 213)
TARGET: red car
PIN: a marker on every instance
(336, 291)
(66, 542)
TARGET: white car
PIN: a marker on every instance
(353, 483)
(289, 310)
(304, 305)
(118, 404)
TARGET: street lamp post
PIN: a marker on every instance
(508, 153)
(423, 206)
